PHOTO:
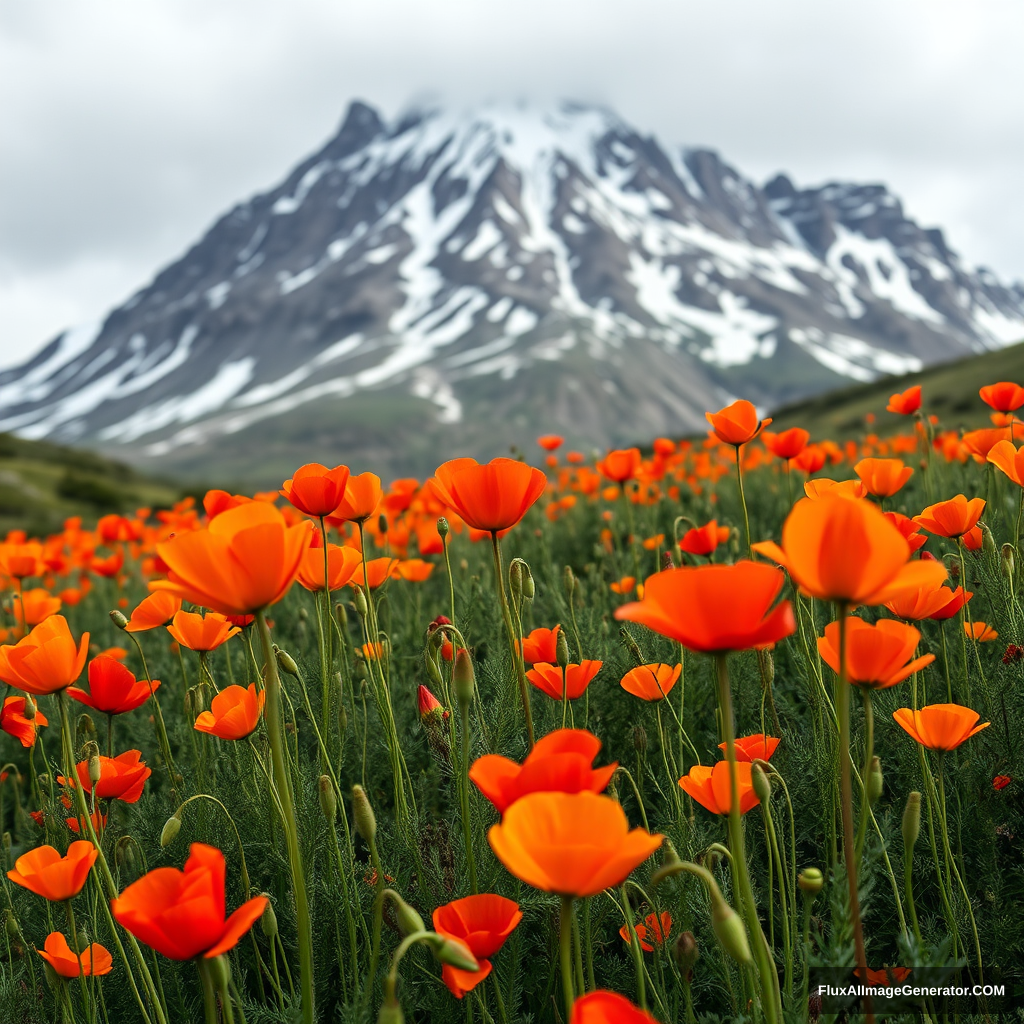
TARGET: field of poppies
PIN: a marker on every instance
(674, 736)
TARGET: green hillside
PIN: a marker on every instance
(41, 484)
(949, 390)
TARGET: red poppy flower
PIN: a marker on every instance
(113, 690)
(940, 726)
(757, 747)
(883, 477)
(121, 778)
(885, 978)
(482, 924)
(1003, 397)
(492, 497)
(92, 962)
(603, 1007)
(876, 655)
(549, 442)
(952, 518)
(541, 645)
(14, 723)
(710, 786)
(46, 873)
(234, 713)
(736, 424)
(577, 678)
(1001, 781)
(788, 444)
(703, 540)
(315, 489)
(651, 682)
(156, 610)
(658, 930)
(906, 403)
(45, 661)
(620, 465)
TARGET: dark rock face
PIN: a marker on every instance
(451, 283)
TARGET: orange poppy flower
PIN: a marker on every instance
(549, 442)
(415, 570)
(32, 606)
(876, 655)
(651, 682)
(548, 678)
(362, 499)
(845, 550)
(315, 489)
(156, 610)
(736, 424)
(234, 713)
(243, 561)
(482, 924)
(940, 726)
(906, 403)
(45, 661)
(815, 489)
(21, 560)
(624, 585)
(92, 962)
(788, 444)
(574, 844)
(980, 442)
(491, 497)
(620, 465)
(181, 913)
(885, 978)
(1003, 397)
(14, 723)
(883, 477)
(1010, 460)
(937, 603)
(201, 632)
(604, 1007)
(980, 631)
(710, 787)
(952, 518)
(98, 819)
(378, 570)
(113, 690)
(658, 929)
(757, 747)
(342, 562)
(561, 762)
(908, 528)
(715, 607)
(541, 645)
(121, 778)
(811, 459)
(110, 566)
(703, 540)
(46, 873)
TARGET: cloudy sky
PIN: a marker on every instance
(128, 126)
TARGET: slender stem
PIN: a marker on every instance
(467, 825)
(210, 1014)
(565, 953)
(869, 753)
(514, 644)
(743, 498)
(634, 948)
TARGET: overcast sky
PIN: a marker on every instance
(127, 126)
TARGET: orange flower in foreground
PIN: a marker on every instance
(934, 602)
(201, 633)
(541, 645)
(234, 713)
(491, 497)
(121, 778)
(659, 930)
(980, 631)
(1010, 460)
(952, 518)
(574, 844)
(906, 403)
(342, 563)
(883, 477)
(603, 1007)
(315, 489)
(651, 682)
(243, 561)
(845, 550)
(703, 540)
(1003, 397)
(113, 690)
(756, 747)
(788, 444)
(620, 465)
(362, 499)
(710, 787)
(482, 924)
(45, 661)
(940, 726)
(32, 606)
(715, 607)
(156, 610)
(14, 723)
(93, 961)
(876, 655)
(561, 762)
(46, 873)
(736, 424)
(181, 913)
(577, 678)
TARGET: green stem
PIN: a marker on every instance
(565, 953)
(869, 753)
(514, 643)
(467, 825)
(634, 948)
(210, 1014)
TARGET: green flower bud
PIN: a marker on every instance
(729, 930)
(454, 953)
(639, 739)
(409, 921)
(810, 881)
(268, 921)
(685, 951)
(875, 781)
(561, 649)
(118, 618)
(382, 523)
(172, 826)
(442, 527)
(988, 542)
(911, 820)
(463, 677)
(1009, 562)
(529, 587)
(328, 800)
(569, 582)
(632, 646)
(124, 852)
(342, 616)
(762, 787)
(220, 968)
(391, 1012)
(362, 812)
(286, 663)
(515, 581)
(359, 600)
(30, 707)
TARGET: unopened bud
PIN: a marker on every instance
(463, 677)
(11, 924)
(362, 812)
(875, 781)
(268, 921)
(529, 587)
(667, 561)
(686, 952)
(30, 707)
(911, 821)
(442, 527)
(729, 929)
(988, 542)
(409, 921)
(85, 727)
(95, 769)
(639, 739)
(561, 649)
(124, 852)
(390, 1012)
(515, 580)
(342, 616)
(762, 787)
(303, 615)
(454, 954)
(569, 582)
(382, 523)
(328, 799)
(1009, 563)
(118, 618)
(768, 663)
(359, 600)
(810, 881)
(172, 826)
(286, 663)
(342, 718)
(5, 840)
(631, 645)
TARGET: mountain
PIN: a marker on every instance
(451, 283)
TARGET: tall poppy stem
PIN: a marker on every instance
(514, 643)
(846, 806)
(565, 953)
(743, 499)
(771, 1000)
(869, 753)
(283, 784)
(210, 1014)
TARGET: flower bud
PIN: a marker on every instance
(342, 718)
(268, 921)
(911, 821)
(286, 663)
(409, 922)
(30, 707)
(5, 841)
(639, 739)
(303, 615)
(442, 527)
(95, 770)
(1009, 562)
(359, 600)
(515, 581)
(768, 664)
(11, 923)
(729, 929)
(382, 523)
(810, 881)
(172, 826)
(391, 1010)
(463, 677)
(529, 587)
(667, 561)
(561, 649)
(118, 618)
(454, 953)
(362, 812)
(85, 727)
(124, 852)
(762, 787)
(569, 582)
(685, 952)
(342, 616)
(875, 781)
(328, 799)
(631, 645)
